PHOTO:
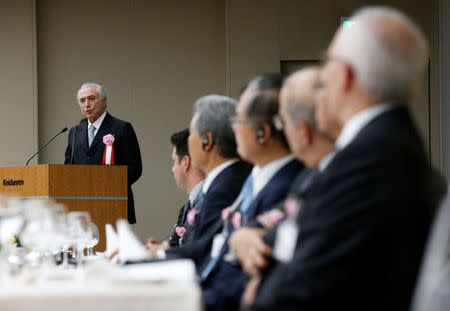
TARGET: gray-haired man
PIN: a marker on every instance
(85, 144)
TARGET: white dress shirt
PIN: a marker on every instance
(326, 160)
(195, 192)
(97, 123)
(262, 175)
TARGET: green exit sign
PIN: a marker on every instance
(346, 22)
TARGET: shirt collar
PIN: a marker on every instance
(98, 122)
(213, 174)
(195, 192)
(262, 175)
(326, 160)
(353, 126)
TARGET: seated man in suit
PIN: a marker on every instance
(187, 178)
(364, 220)
(86, 145)
(253, 246)
(212, 148)
(265, 146)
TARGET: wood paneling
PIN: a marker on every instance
(102, 212)
(73, 185)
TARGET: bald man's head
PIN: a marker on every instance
(297, 97)
(298, 100)
(386, 51)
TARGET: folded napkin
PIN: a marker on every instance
(130, 247)
(112, 240)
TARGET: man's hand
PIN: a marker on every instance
(151, 241)
(113, 254)
(250, 291)
(153, 246)
(269, 219)
(250, 249)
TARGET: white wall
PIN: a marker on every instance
(18, 103)
(154, 58)
(263, 33)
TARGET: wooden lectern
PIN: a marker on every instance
(100, 190)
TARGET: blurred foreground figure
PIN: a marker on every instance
(364, 220)
(253, 246)
(261, 143)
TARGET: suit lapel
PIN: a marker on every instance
(278, 175)
(102, 131)
(82, 136)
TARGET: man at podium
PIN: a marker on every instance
(104, 139)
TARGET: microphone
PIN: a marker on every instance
(60, 132)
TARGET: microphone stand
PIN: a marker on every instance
(62, 131)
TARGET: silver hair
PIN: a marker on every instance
(387, 66)
(101, 90)
(212, 114)
(300, 112)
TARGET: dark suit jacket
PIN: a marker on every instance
(363, 226)
(174, 239)
(269, 237)
(223, 287)
(221, 194)
(126, 150)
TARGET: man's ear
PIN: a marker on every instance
(348, 77)
(186, 163)
(208, 142)
(264, 133)
(305, 133)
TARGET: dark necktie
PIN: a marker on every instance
(186, 208)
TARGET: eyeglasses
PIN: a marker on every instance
(278, 122)
(236, 121)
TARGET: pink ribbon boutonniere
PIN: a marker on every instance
(191, 216)
(108, 154)
(180, 231)
(236, 220)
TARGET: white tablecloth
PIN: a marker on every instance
(136, 288)
(110, 296)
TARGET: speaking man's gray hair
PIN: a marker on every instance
(101, 90)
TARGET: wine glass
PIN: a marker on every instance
(60, 245)
(94, 239)
(79, 231)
